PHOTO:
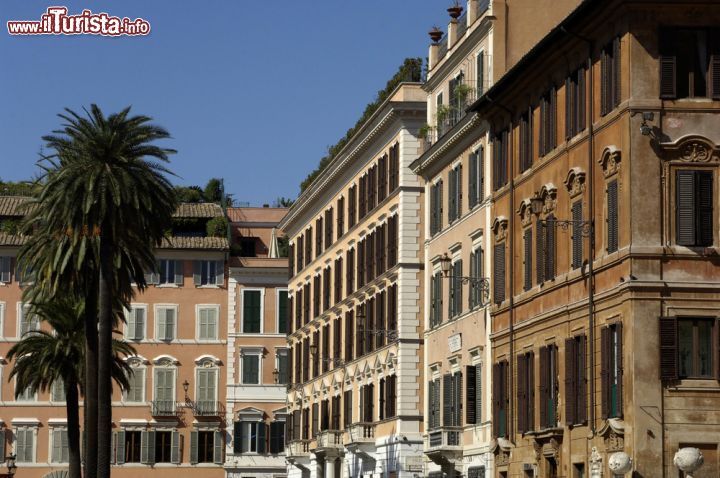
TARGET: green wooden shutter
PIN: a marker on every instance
(194, 437)
(282, 311)
(251, 311)
(237, 436)
(496, 400)
(521, 364)
(470, 395)
(218, 447)
(447, 393)
(261, 437)
(178, 272)
(147, 447)
(175, 447)
(480, 73)
(120, 447)
(550, 248)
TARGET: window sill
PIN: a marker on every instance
(207, 286)
(167, 286)
(695, 384)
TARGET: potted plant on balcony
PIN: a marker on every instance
(425, 131)
(435, 34)
(462, 91)
(441, 113)
(455, 11)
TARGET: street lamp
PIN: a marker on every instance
(337, 362)
(480, 283)
(390, 334)
(10, 463)
(186, 387)
(536, 206)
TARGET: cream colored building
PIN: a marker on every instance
(355, 395)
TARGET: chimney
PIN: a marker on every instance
(452, 33)
(435, 35)
(472, 12)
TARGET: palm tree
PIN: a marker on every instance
(43, 358)
(107, 201)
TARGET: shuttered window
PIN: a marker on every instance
(135, 323)
(610, 77)
(382, 178)
(251, 311)
(480, 73)
(25, 445)
(347, 408)
(575, 103)
(251, 369)
(327, 274)
(436, 299)
(690, 63)
(436, 208)
(352, 207)
(500, 159)
(328, 228)
(611, 369)
(434, 404)
(473, 395)
(526, 140)
(452, 385)
(575, 381)
(165, 318)
(208, 322)
(136, 392)
(577, 236)
(309, 245)
(455, 193)
(318, 236)
(527, 259)
(349, 339)
(548, 122)
(340, 226)
(526, 392)
(60, 449)
(694, 219)
(283, 357)
(208, 273)
(394, 167)
(5, 268)
(549, 248)
(350, 272)
(548, 387)
(283, 315)
(337, 283)
(500, 399)
(499, 273)
(612, 216)
(476, 271)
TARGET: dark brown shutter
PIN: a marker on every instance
(447, 395)
(580, 116)
(604, 82)
(530, 367)
(499, 273)
(612, 219)
(527, 245)
(616, 73)
(577, 238)
(470, 395)
(540, 251)
(619, 365)
(544, 386)
(521, 394)
(605, 377)
(553, 119)
(581, 380)
(704, 206)
(496, 399)
(668, 86)
(458, 192)
(550, 248)
(685, 207)
(569, 107)
(571, 385)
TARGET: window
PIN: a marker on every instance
(577, 235)
(434, 404)
(476, 472)
(500, 159)
(317, 288)
(695, 347)
(347, 408)
(456, 101)
(318, 236)
(527, 259)
(57, 390)
(476, 271)
(340, 226)
(349, 328)
(352, 209)
(473, 395)
(128, 446)
(250, 437)
(690, 63)
(500, 399)
(25, 445)
(694, 207)
(452, 399)
(277, 437)
(436, 209)
(545, 249)
(206, 446)
(610, 77)
(611, 369)
(26, 395)
(60, 450)
(247, 246)
(328, 228)
(455, 302)
(171, 272)
(208, 273)
(164, 398)
(282, 366)
(436, 299)
(575, 103)
(206, 393)
(327, 274)
(499, 273)
(548, 122)
(394, 167)
(575, 381)
(455, 193)
(252, 311)
(367, 403)
(5, 268)
(382, 190)
(388, 397)
(28, 322)
(207, 323)
(548, 387)
(526, 140)
(337, 281)
(165, 318)
(283, 314)
(136, 393)
(526, 392)
(135, 322)
(480, 73)
(167, 447)
(476, 180)
(251, 369)
(612, 216)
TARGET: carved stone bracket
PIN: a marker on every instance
(613, 433)
(499, 228)
(525, 212)
(575, 182)
(610, 161)
(691, 149)
(502, 448)
(548, 193)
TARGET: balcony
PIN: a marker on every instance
(208, 409)
(297, 449)
(165, 409)
(444, 445)
(329, 441)
(361, 438)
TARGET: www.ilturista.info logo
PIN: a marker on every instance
(56, 21)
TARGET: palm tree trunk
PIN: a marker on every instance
(91, 383)
(105, 353)
(73, 428)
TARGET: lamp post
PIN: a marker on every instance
(11, 466)
(186, 387)
(390, 334)
(480, 283)
(586, 228)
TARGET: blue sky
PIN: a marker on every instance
(252, 91)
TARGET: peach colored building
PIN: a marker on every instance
(257, 351)
(355, 392)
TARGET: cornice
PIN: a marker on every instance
(471, 122)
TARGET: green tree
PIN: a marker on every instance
(106, 202)
(213, 191)
(44, 358)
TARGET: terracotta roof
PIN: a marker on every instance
(200, 209)
(10, 205)
(256, 214)
(11, 239)
(179, 242)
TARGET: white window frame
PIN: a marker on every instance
(216, 308)
(51, 442)
(207, 365)
(277, 308)
(156, 321)
(10, 270)
(262, 310)
(256, 351)
(127, 315)
(286, 352)
(3, 308)
(25, 428)
(172, 283)
(174, 371)
(20, 316)
(143, 393)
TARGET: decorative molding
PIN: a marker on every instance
(610, 161)
(207, 361)
(525, 212)
(499, 228)
(165, 361)
(548, 193)
(575, 182)
(692, 149)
